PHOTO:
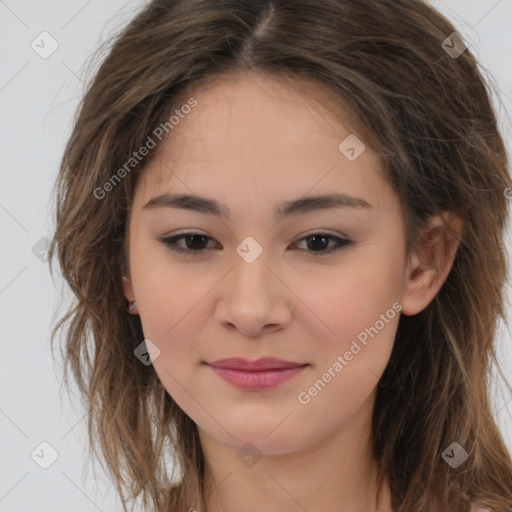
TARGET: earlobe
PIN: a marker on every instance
(129, 296)
(429, 266)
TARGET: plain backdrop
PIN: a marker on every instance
(39, 426)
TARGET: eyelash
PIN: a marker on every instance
(170, 242)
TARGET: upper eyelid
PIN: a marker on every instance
(300, 237)
(180, 235)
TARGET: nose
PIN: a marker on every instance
(255, 299)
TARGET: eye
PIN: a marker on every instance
(195, 243)
(319, 242)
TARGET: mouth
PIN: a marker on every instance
(260, 374)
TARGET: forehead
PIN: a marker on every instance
(250, 132)
(252, 108)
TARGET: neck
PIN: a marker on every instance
(337, 473)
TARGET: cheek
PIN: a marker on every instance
(168, 294)
(362, 310)
(170, 301)
(361, 295)
(363, 313)
(167, 300)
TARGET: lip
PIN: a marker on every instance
(259, 374)
(264, 363)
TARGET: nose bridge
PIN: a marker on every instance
(250, 276)
(253, 298)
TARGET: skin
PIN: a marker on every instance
(250, 143)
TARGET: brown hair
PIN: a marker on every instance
(429, 117)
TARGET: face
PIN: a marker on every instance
(320, 286)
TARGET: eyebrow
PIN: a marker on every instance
(287, 208)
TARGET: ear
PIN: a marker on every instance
(128, 289)
(429, 266)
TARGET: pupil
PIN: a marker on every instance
(194, 237)
(315, 245)
(314, 242)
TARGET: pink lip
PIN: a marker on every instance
(260, 374)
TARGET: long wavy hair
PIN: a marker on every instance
(429, 116)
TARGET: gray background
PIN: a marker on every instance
(38, 97)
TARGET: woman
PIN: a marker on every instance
(284, 227)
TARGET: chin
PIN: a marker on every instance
(268, 439)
